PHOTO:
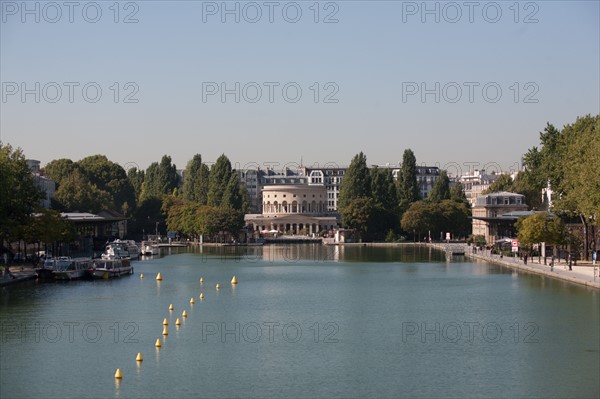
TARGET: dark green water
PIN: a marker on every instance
(304, 321)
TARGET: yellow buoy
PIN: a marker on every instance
(159, 276)
(201, 280)
(158, 344)
(171, 307)
(142, 275)
(218, 286)
(184, 314)
(165, 322)
(165, 330)
(118, 374)
(201, 295)
(177, 322)
(192, 301)
(139, 357)
(234, 280)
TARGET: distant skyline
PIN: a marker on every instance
(459, 83)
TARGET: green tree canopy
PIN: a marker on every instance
(160, 179)
(58, 169)
(383, 189)
(441, 188)
(19, 196)
(77, 193)
(136, 179)
(357, 215)
(111, 178)
(408, 190)
(195, 182)
(457, 193)
(540, 227)
(220, 174)
(502, 183)
(356, 182)
(232, 197)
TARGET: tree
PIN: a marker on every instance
(408, 190)
(457, 193)
(212, 220)
(577, 176)
(19, 196)
(232, 197)
(452, 216)
(195, 182)
(356, 182)
(136, 179)
(111, 178)
(434, 217)
(441, 188)
(58, 169)
(418, 218)
(76, 193)
(383, 189)
(219, 177)
(525, 183)
(541, 227)
(146, 217)
(502, 183)
(160, 179)
(357, 214)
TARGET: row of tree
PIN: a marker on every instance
(377, 207)
(212, 202)
(151, 198)
(567, 162)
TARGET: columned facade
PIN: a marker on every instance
(297, 209)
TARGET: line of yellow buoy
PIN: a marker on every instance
(139, 358)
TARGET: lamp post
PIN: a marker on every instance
(156, 229)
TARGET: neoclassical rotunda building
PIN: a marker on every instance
(294, 204)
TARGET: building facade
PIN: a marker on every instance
(495, 214)
(293, 204)
(475, 182)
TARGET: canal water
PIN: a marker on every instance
(303, 321)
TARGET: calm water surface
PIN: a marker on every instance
(304, 321)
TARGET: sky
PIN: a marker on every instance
(463, 84)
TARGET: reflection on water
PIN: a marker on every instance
(318, 253)
(305, 320)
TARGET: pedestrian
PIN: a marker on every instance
(552, 263)
(570, 261)
(525, 258)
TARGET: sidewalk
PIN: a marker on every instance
(584, 273)
(26, 272)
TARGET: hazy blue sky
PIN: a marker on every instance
(370, 62)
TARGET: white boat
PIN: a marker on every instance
(121, 249)
(149, 248)
(72, 269)
(110, 268)
(52, 264)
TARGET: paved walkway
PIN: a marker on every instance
(584, 273)
(27, 272)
